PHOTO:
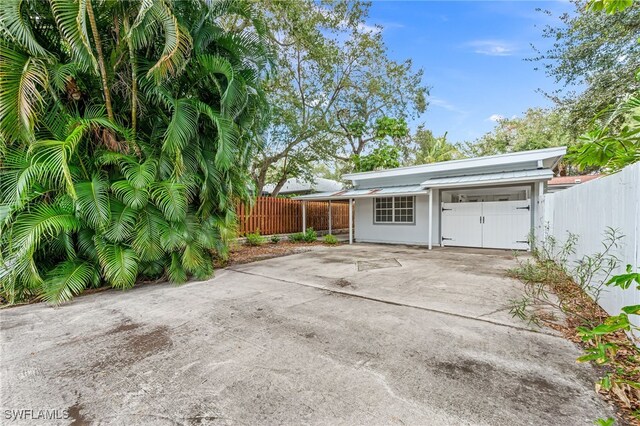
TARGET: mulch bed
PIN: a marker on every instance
(581, 310)
(242, 253)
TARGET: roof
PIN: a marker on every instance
(572, 180)
(524, 160)
(295, 185)
(366, 193)
(489, 179)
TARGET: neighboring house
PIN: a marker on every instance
(563, 182)
(493, 202)
(300, 187)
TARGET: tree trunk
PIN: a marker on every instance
(279, 185)
(260, 179)
(103, 70)
(134, 80)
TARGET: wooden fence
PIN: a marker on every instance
(284, 216)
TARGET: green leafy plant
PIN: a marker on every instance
(126, 131)
(297, 237)
(275, 239)
(255, 239)
(310, 235)
(330, 239)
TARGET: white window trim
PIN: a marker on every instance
(393, 211)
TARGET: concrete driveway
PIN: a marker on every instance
(362, 334)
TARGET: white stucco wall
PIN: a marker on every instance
(418, 233)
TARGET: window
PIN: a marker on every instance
(393, 210)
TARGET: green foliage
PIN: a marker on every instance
(330, 239)
(337, 93)
(310, 235)
(382, 157)
(128, 160)
(614, 141)
(255, 239)
(431, 149)
(275, 239)
(595, 57)
(297, 237)
(536, 129)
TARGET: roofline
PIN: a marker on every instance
(538, 154)
(523, 179)
(339, 196)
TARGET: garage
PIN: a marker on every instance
(492, 202)
(498, 218)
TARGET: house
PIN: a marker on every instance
(563, 182)
(299, 186)
(492, 202)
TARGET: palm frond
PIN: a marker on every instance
(146, 242)
(71, 19)
(15, 25)
(119, 264)
(23, 79)
(122, 224)
(68, 279)
(132, 197)
(93, 201)
(175, 270)
(171, 198)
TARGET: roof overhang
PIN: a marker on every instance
(396, 191)
(488, 179)
(541, 158)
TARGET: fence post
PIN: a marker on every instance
(304, 216)
(329, 217)
(350, 220)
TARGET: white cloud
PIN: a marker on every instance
(495, 117)
(366, 28)
(444, 104)
(492, 47)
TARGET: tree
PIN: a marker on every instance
(431, 149)
(336, 90)
(126, 135)
(537, 129)
(597, 52)
(382, 157)
(614, 139)
(611, 148)
(380, 95)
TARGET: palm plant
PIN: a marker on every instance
(126, 135)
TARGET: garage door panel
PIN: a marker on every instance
(506, 224)
(461, 224)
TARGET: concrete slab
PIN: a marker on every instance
(254, 346)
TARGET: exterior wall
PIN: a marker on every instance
(586, 210)
(417, 233)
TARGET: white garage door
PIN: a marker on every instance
(489, 224)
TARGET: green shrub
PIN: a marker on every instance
(330, 239)
(297, 237)
(310, 235)
(275, 239)
(255, 239)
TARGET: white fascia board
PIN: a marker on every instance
(320, 197)
(522, 179)
(455, 165)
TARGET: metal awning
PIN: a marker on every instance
(520, 176)
(365, 193)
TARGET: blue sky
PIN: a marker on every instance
(472, 53)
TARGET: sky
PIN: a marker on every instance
(473, 56)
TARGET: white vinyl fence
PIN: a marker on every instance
(587, 210)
